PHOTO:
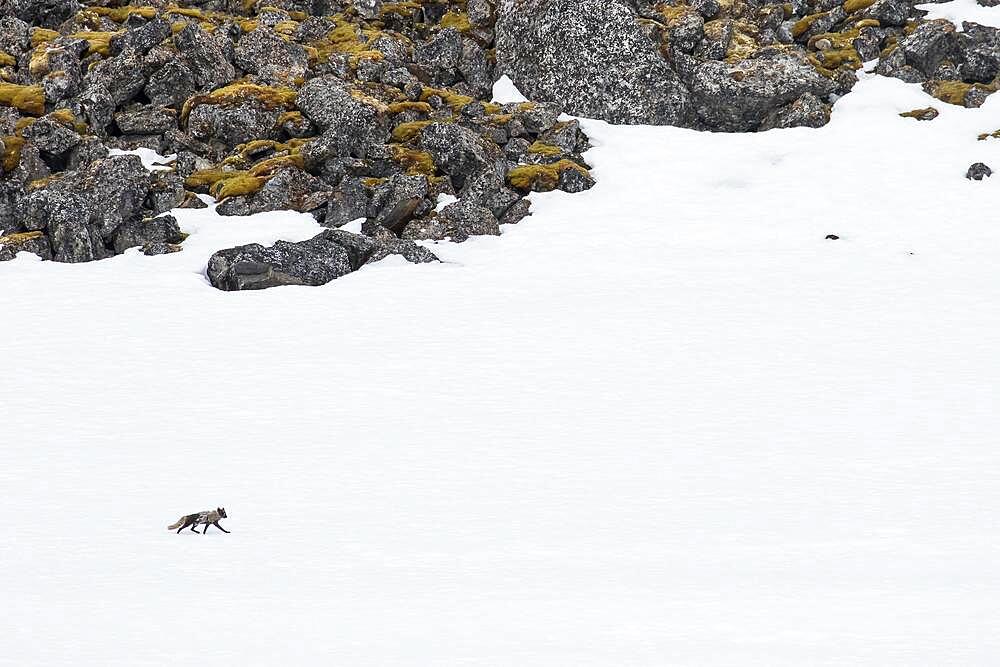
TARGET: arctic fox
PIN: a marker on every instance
(210, 518)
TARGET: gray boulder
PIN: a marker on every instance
(931, 44)
(350, 124)
(205, 57)
(138, 233)
(399, 199)
(142, 38)
(458, 151)
(591, 57)
(326, 257)
(44, 13)
(978, 172)
(65, 217)
(271, 59)
(51, 137)
(807, 111)
(232, 125)
(171, 85)
(34, 242)
(737, 97)
(114, 190)
(456, 222)
(312, 262)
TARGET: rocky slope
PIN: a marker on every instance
(733, 65)
(367, 110)
(344, 110)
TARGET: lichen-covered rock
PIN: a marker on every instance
(592, 58)
(142, 38)
(171, 85)
(314, 262)
(114, 189)
(205, 57)
(349, 202)
(458, 151)
(344, 110)
(807, 111)
(456, 222)
(290, 189)
(146, 120)
(121, 76)
(51, 137)
(350, 123)
(399, 200)
(35, 243)
(270, 59)
(66, 219)
(138, 233)
(326, 257)
(231, 125)
(44, 13)
(930, 45)
(737, 97)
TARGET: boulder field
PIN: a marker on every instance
(371, 110)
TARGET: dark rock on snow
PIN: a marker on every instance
(351, 110)
(326, 257)
(978, 172)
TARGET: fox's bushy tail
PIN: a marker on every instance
(177, 525)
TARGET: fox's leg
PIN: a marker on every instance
(205, 530)
(216, 524)
(193, 524)
(187, 522)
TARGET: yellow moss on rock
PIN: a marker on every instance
(12, 153)
(404, 132)
(267, 167)
(20, 238)
(456, 101)
(418, 107)
(802, 26)
(851, 6)
(29, 99)
(927, 113)
(541, 177)
(240, 184)
(40, 36)
(268, 97)
(120, 14)
(542, 148)
(415, 162)
(457, 20)
(955, 92)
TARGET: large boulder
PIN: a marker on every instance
(737, 97)
(351, 122)
(44, 13)
(66, 218)
(592, 57)
(317, 261)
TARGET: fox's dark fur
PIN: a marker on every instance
(209, 518)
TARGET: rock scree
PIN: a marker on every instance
(366, 110)
(342, 110)
(733, 65)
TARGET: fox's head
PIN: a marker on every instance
(222, 512)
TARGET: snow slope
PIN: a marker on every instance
(661, 422)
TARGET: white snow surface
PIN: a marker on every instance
(959, 11)
(662, 422)
(150, 159)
